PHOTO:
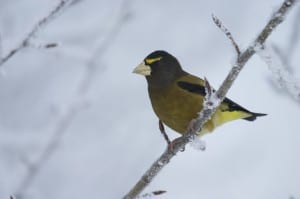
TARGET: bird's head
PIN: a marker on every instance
(160, 68)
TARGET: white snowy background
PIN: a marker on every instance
(108, 134)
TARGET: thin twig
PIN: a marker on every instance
(283, 77)
(208, 89)
(216, 99)
(42, 45)
(227, 33)
(152, 194)
(40, 24)
(279, 62)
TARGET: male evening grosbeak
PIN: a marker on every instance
(177, 96)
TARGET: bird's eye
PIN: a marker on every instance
(152, 60)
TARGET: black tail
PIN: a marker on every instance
(232, 106)
(253, 116)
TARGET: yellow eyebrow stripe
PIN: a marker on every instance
(152, 60)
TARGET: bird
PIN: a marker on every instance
(177, 96)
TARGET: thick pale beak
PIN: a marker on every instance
(142, 69)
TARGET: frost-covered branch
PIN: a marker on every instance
(211, 103)
(227, 33)
(280, 64)
(75, 107)
(283, 77)
(287, 53)
(40, 24)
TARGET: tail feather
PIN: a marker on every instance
(254, 115)
(232, 106)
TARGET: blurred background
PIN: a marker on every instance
(76, 123)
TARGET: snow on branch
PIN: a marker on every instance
(211, 103)
(283, 77)
(279, 61)
(72, 109)
(37, 27)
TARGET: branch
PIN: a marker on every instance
(278, 66)
(211, 103)
(279, 62)
(42, 23)
(227, 33)
(74, 108)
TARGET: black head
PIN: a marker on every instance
(160, 69)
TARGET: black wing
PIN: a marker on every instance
(232, 106)
(193, 88)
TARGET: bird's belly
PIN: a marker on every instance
(176, 111)
(177, 118)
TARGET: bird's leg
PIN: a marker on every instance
(163, 132)
(169, 142)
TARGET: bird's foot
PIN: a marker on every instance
(173, 144)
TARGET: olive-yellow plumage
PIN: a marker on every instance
(177, 96)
